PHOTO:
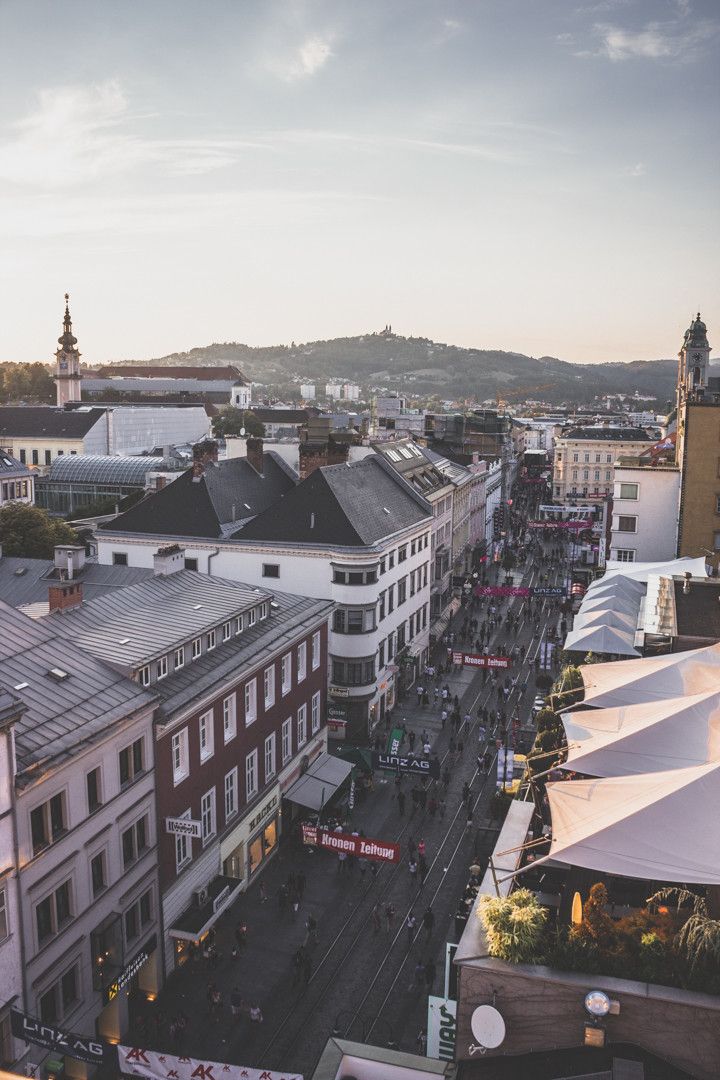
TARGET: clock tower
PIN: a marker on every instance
(694, 357)
(67, 362)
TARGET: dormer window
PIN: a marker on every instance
(239, 624)
(227, 631)
(144, 675)
(197, 648)
(211, 640)
(252, 617)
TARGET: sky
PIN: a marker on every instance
(539, 176)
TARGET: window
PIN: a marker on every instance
(48, 822)
(227, 631)
(179, 658)
(183, 848)
(144, 675)
(93, 787)
(390, 649)
(54, 912)
(402, 591)
(586, 474)
(269, 686)
(161, 669)
(608, 458)
(381, 656)
(134, 841)
(627, 524)
(353, 621)
(301, 661)
(131, 761)
(48, 457)
(212, 638)
(716, 541)
(23, 457)
(717, 504)
(315, 651)
(264, 610)
(239, 624)
(35, 457)
(191, 564)
(269, 757)
(302, 725)
(391, 598)
(98, 873)
(197, 648)
(271, 570)
(4, 924)
(355, 577)
(402, 553)
(628, 491)
(286, 674)
(575, 457)
(286, 740)
(586, 457)
(355, 672)
(231, 794)
(119, 558)
(250, 701)
(251, 775)
(597, 458)
(574, 474)
(207, 736)
(315, 713)
(179, 751)
(597, 475)
(62, 997)
(229, 718)
(252, 617)
(138, 916)
(625, 555)
(381, 607)
(608, 474)
(207, 815)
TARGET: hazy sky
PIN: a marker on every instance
(532, 175)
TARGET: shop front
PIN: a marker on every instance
(253, 841)
(128, 988)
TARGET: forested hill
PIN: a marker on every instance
(418, 365)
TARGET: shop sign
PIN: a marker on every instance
(92, 1050)
(130, 970)
(441, 1028)
(336, 711)
(339, 691)
(549, 590)
(337, 728)
(559, 524)
(406, 764)
(155, 1065)
(361, 846)
(269, 805)
(184, 827)
(502, 590)
(395, 741)
(220, 899)
(482, 661)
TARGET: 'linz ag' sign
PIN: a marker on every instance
(406, 764)
(92, 1050)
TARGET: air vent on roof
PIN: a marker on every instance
(385, 510)
(247, 506)
(20, 571)
(196, 607)
(21, 686)
(123, 641)
(274, 604)
(58, 674)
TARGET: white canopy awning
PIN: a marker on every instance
(662, 826)
(650, 737)
(601, 639)
(616, 586)
(640, 570)
(627, 605)
(317, 786)
(605, 617)
(628, 682)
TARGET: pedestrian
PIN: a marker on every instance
(297, 961)
(430, 973)
(376, 920)
(236, 1002)
(401, 802)
(312, 930)
(263, 893)
(241, 935)
(421, 1042)
(362, 867)
(418, 976)
(413, 867)
(428, 921)
(390, 916)
(256, 1015)
(412, 847)
(446, 779)
(282, 897)
(411, 927)
(415, 796)
(432, 806)
(443, 717)
(421, 849)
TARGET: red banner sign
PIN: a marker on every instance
(502, 590)
(559, 524)
(476, 660)
(361, 846)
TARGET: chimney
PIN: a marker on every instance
(204, 453)
(64, 596)
(69, 560)
(168, 560)
(235, 446)
(255, 453)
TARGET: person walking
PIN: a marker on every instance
(401, 802)
(418, 976)
(376, 919)
(423, 869)
(421, 848)
(428, 921)
(390, 916)
(413, 868)
(311, 927)
(411, 927)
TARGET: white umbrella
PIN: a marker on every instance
(628, 682)
(662, 826)
(650, 737)
(601, 639)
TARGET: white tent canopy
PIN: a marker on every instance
(650, 737)
(662, 826)
(601, 639)
(624, 604)
(629, 682)
(641, 570)
(616, 585)
(605, 617)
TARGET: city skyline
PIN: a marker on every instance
(490, 175)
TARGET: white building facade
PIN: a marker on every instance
(645, 513)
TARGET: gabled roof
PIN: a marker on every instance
(10, 467)
(25, 581)
(71, 698)
(229, 491)
(46, 422)
(351, 505)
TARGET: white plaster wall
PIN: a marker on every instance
(656, 510)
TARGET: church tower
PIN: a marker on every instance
(694, 358)
(67, 362)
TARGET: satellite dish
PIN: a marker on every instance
(488, 1026)
(597, 1003)
(242, 430)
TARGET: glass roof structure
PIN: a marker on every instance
(98, 468)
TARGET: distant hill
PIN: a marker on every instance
(420, 366)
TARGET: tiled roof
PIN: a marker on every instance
(10, 467)
(77, 704)
(46, 422)
(229, 491)
(348, 505)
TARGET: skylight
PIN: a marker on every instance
(21, 686)
(58, 674)
(123, 641)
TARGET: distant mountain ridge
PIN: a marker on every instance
(418, 365)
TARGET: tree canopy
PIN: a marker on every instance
(230, 421)
(30, 532)
(26, 382)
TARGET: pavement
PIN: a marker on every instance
(361, 984)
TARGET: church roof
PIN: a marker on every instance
(696, 333)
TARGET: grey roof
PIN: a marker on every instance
(350, 505)
(454, 472)
(104, 468)
(293, 616)
(413, 463)
(230, 491)
(46, 422)
(61, 713)
(137, 384)
(25, 581)
(130, 626)
(608, 434)
(10, 467)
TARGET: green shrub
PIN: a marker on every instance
(514, 926)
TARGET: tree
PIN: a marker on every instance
(596, 925)
(30, 532)
(26, 382)
(230, 421)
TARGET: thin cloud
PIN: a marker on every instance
(672, 40)
(79, 134)
(303, 61)
(639, 169)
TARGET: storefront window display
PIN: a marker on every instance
(261, 846)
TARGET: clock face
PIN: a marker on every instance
(63, 365)
(697, 358)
